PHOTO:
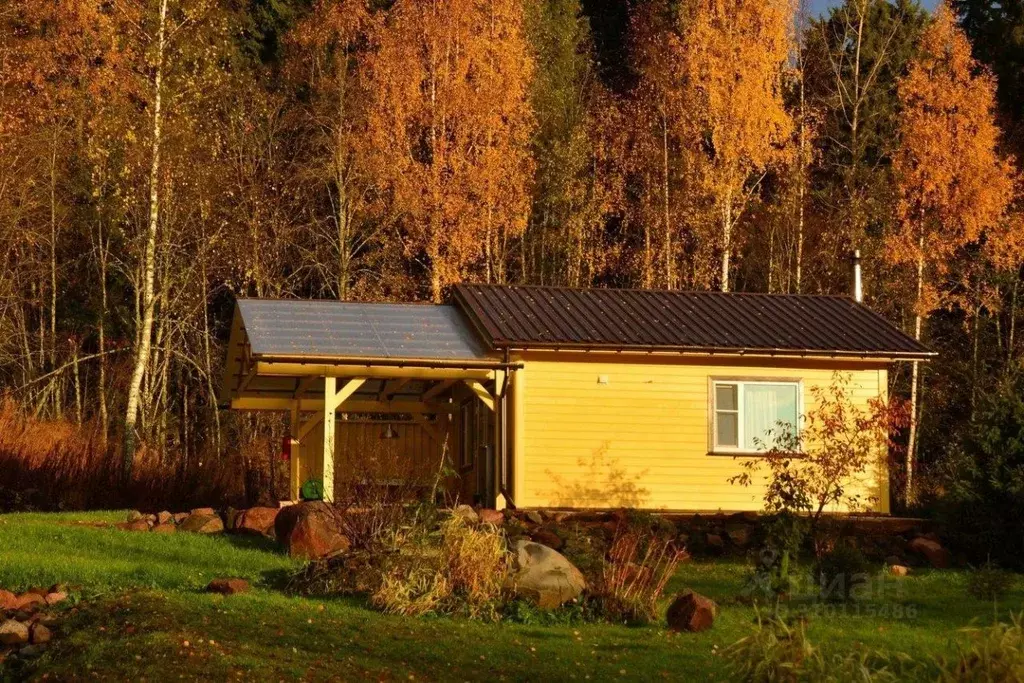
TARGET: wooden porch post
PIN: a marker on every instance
(495, 494)
(294, 465)
(327, 454)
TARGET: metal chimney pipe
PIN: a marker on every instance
(857, 286)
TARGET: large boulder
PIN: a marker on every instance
(200, 523)
(932, 550)
(8, 600)
(29, 601)
(310, 531)
(691, 612)
(39, 634)
(547, 537)
(491, 516)
(543, 576)
(259, 520)
(13, 632)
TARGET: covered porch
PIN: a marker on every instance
(376, 392)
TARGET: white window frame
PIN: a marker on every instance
(740, 383)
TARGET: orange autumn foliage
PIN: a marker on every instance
(732, 56)
(451, 124)
(953, 184)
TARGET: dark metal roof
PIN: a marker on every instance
(526, 317)
(295, 328)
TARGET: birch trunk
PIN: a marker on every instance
(102, 337)
(726, 238)
(669, 275)
(915, 381)
(149, 267)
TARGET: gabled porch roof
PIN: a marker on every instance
(405, 355)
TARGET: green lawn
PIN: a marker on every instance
(141, 600)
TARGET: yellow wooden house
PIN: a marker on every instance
(548, 397)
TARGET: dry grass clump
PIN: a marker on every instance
(61, 465)
(996, 653)
(458, 568)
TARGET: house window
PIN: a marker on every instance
(751, 416)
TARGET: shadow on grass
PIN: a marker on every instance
(254, 542)
(276, 579)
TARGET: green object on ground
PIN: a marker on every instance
(313, 489)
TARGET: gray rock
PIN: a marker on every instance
(544, 576)
(467, 513)
(535, 517)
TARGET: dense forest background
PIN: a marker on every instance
(159, 158)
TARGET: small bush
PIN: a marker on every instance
(988, 582)
(458, 568)
(586, 547)
(633, 577)
(841, 571)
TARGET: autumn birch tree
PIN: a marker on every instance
(450, 124)
(733, 56)
(331, 45)
(952, 183)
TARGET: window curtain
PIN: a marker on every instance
(764, 406)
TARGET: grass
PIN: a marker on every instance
(141, 600)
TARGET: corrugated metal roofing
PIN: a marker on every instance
(557, 317)
(336, 329)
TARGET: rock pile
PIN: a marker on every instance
(27, 620)
(256, 520)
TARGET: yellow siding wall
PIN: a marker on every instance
(641, 440)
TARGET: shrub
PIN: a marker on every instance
(586, 547)
(633, 577)
(784, 533)
(841, 571)
(979, 484)
(988, 582)
(458, 568)
(821, 465)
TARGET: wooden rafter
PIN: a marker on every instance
(436, 389)
(392, 387)
(478, 388)
(329, 405)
